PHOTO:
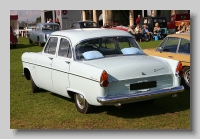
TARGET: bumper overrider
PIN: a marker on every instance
(147, 95)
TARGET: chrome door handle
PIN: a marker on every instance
(50, 58)
(67, 62)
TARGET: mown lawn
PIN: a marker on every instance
(46, 110)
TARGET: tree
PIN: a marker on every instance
(38, 20)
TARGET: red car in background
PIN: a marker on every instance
(13, 38)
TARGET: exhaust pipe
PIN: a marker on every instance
(118, 104)
(174, 95)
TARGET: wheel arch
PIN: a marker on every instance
(27, 73)
(71, 93)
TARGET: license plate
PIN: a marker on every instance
(143, 85)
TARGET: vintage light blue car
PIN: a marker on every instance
(98, 67)
(41, 32)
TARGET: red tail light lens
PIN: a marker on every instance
(104, 79)
(179, 68)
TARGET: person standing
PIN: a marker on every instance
(137, 19)
(47, 20)
(57, 21)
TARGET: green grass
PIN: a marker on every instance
(46, 110)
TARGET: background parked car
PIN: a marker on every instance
(41, 32)
(13, 38)
(176, 46)
(84, 24)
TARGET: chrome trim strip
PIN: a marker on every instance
(128, 98)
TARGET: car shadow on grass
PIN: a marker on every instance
(141, 109)
(21, 46)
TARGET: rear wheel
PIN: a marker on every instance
(30, 41)
(35, 89)
(186, 77)
(81, 104)
(39, 43)
(15, 46)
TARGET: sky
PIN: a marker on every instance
(24, 15)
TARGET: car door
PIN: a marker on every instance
(168, 48)
(43, 67)
(61, 66)
(33, 34)
(183, 53)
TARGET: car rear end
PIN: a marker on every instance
(135, 82)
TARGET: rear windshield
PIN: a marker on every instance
(107, 47)
(89, 25)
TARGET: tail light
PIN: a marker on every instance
(179, 71)
(104, 79)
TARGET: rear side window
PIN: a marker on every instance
(184, 46)
(51, 46)
(64, 48)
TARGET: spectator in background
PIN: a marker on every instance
(157, 30)
(47, 20)
(188, 27)
(137, 19)
(181, 28)
(50, 20)
(146, 32)
(131, 30)
(138, 33)
(57, 21)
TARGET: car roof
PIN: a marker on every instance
(185, 35)
(85, 21)
(77, 35)
(48, 23)
(157, 17)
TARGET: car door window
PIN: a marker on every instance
(37, 28)
(77, 25)
(74, 25)
(51, 46)
(171, 45)
(64, 48)
(184, 46)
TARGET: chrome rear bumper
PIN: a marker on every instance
(128, 98)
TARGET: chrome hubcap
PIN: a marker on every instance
(187, 76)
(80, 101)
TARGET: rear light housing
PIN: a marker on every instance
(104, 79)
(179, 72)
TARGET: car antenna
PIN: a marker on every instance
(27, 50)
